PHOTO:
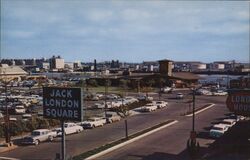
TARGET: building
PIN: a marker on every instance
(166, 67)
(11, 72)
(56, 63)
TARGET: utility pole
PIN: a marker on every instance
(105, 102)
(7, 118)
(192, 145)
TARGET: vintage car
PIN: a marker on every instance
(218, 130)
(92, 122)
(39, 135)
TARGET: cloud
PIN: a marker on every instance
(120, 26)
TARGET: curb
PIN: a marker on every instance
(7, 158)
(6, 148)
(129, 141)
(189, 115)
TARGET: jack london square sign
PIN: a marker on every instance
(62, 103)
(238, 101)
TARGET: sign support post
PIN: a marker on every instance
(63, 150)
(62, 104)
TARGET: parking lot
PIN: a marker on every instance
(138, 120)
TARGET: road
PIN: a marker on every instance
(170, 143)
(174, 141)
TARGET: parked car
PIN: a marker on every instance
(26, 117)
(69, 128)
(236, 117)
(218, 130)
(219, 93)
(39, 135)
(113, 118)
(92, 122)
(179, 96)
(149, 107)
(160, 104)
(228, 122)
(145, 98)
(166, 90)
(19, 109)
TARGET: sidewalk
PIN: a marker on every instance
(4, 147)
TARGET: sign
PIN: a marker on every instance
(62, 103)
(238, 101)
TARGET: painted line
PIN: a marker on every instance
(189, 115)
(129, 141)
(8, 158)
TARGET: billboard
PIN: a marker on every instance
(238, 101)
(62, 103)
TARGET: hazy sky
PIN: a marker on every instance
(132, 31)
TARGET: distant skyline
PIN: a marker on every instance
(130, 31)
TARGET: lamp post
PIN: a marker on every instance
(105, 101)
(7, 119)
(192, 144)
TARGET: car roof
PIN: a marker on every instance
(219, 125)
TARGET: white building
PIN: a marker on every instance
(57, 63)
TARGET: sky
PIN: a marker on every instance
(130, 31)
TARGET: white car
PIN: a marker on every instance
(113, 118)
(20, 109)
(69, 128)
(228, 122)
(39, 135)
(93, 122)
(166, 89)
(160, 104)
(116, 104)
(218, 130)
(149, 107)
(129, 100)
(179, 96)
(219, 93)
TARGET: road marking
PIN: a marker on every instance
(189, 115)
(8, 158)
(129, 141)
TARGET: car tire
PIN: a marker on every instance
(37, 142)
(93, 126)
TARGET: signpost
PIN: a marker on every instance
(62, 104)
(238, 101)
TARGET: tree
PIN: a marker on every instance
(92, 82)
(123, 111)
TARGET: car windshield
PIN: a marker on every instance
(225, 122)
(35, 133)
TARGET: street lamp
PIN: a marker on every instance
(192, 144)
(7, 119)
(105, 102)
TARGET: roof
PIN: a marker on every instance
(12, 70)
(185, 75)
(165, 60)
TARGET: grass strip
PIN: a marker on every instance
(114, 143)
